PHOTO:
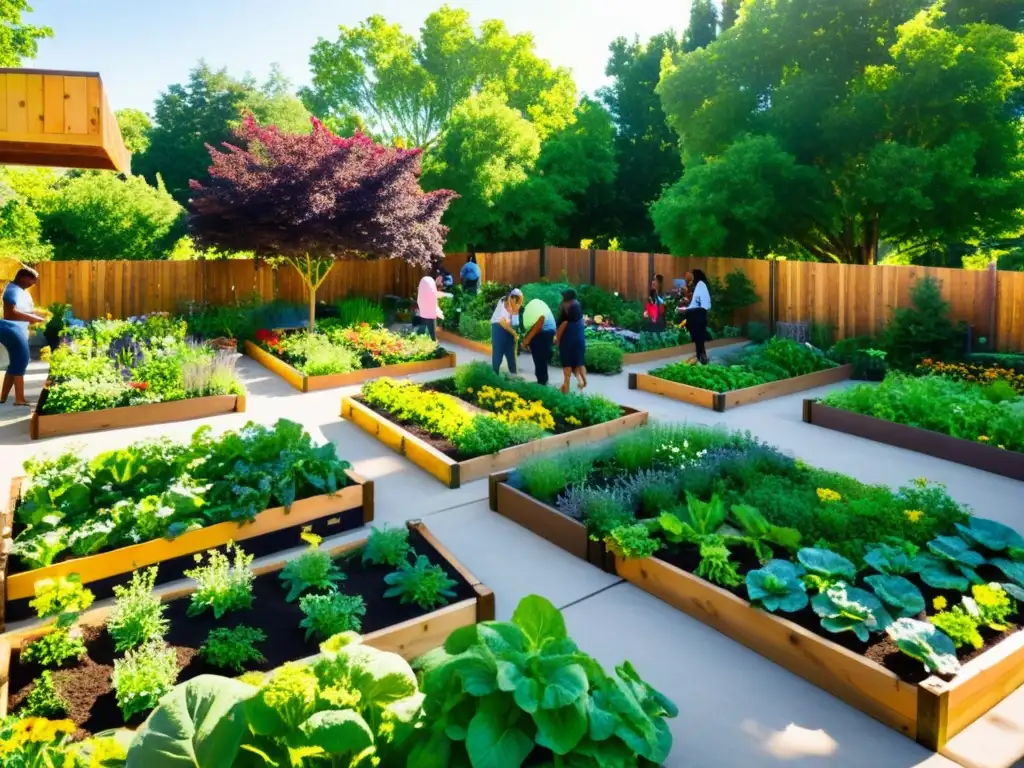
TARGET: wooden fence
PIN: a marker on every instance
(855, 299)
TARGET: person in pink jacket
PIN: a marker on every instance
(426, 303)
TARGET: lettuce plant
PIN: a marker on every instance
(715, 565)
(890, 559)
(949, 563)
(421, 582)
(926, 643)
(499, 690)
(632, 542)
(777, 587)
(843, 608)
(387, 546)
(313, 569)
(899, 594)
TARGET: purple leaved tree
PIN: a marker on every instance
(314, 197)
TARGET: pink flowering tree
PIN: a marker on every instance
(311, 198)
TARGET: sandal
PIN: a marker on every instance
(26, 405)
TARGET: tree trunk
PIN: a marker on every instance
(312, 307)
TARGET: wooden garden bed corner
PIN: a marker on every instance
(56, 424)
(453, 473)
(967, 452)
(453, 338)
(931, 712)
(721, 401)
(305, 383)
(547, 522)
(409, 639)
(272, 530)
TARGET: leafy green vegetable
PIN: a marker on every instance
(761, 533)
(926, 643)
(826, 564)
(632, 542)
(715, 565)
(387, 546)
(330, 614)
(313, 569)
(991, 535)
(233, 648)
(138, 614)
(961, 625)
(898, 593)
(421, 582)
(889, 559)
(777, 586)
(949, 564)
(44, 700)
(843, 608)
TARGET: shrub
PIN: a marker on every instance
(359, 310)
(138, 615)
(233, 648)
(758, 332)
(603, 357)
(923, 330)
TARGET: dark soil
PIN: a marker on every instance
(880, 648)
(87, 687)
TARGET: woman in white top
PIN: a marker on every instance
(19, 311)
(697, 314)
(504, 336)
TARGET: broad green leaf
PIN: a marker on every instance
(563, 684)
(494, 742)
(338, 732)
(1013, 570)
(540, 621)
(602, 717)
(956, 550)
(199, 724)
(525, 689)
(433, 752)
(560, 730)
(991, 535)
(382, 678)
(462, 639)
(926, 643)
(897, 592)
(478, 670)
(826, 563)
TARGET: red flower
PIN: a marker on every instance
(142, 386)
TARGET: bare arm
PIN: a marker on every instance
(561, 329)
(11, 313)
(533, 331)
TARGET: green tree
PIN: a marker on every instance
(645, 145)
(730, 12)
(18, 40)
(703, 27)
(100, 215)
(404, 90)
(907, 135)
(135, 126)
(487, 148)
(206, 110)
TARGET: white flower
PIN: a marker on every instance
(675, 449)
(686, 443)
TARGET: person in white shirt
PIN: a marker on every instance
(697, 314)
(504, 336)
(19, 312)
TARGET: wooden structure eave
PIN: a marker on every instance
(59, 119)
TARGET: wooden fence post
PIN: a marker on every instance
(772, 304)
(593, 266)
(543, 261)
(650, 267)
(993, 326)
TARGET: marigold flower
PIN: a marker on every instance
(913, 515)
(940, 603)
(827, 495)
(983, 438)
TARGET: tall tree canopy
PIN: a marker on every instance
(205, 110)
(703, 27)
(18, 40)
(646, 147)
(405, 89)
(867, 119)
(730, 12)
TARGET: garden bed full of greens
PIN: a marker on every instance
(752, 366)
(478, 412)
(119, 363)
(908, 578)
(73, 507)
(498, 694)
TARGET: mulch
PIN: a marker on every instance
(86, 685)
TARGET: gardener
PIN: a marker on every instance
(18, 314)
(504, 338)
(470, 274)
(426, 304)
(697, 314)
(571, 340)
(540, 339)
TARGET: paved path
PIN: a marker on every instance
(736, 708)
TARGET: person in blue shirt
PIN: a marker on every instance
(19, 312)
(470, 274)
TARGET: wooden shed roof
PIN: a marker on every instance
(60, 119)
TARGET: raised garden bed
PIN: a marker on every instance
(305, 383)
(56, 424)
(403, 628)
(453, 338)
(271, 531)
(721, 401)
(967, 452)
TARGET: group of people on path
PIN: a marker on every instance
(543, 331)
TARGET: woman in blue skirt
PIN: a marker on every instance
(571, 341)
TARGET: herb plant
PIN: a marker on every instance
(632, 542)
(421, 582)
(59, 596)
(777, 586)
(54, 648)
(138, 614)
(715, 565)
(233, 648)
(44, 700)
(143, 676)
(312, 569)
(960, 625)
(994, 606)
(327, 615)
(387, 546)
(222, 585)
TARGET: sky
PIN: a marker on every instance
(140, 47)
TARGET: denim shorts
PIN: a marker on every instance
(16, 342)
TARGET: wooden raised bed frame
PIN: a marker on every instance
(955, 449)
(453, 473)
(272, 530)
(408, 639)
(56, 424)
(305, 383)
(931, 712)
(628, 358)
(722, 401)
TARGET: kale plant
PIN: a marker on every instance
(777, 587)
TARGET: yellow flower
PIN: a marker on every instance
(939, 603)
(828, 495)
(1002, 447)
(921, 482)
(913, 515)
(982, 439)
(309, 537)
(109, 316)
(572, 420)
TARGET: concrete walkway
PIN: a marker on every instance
(736, 708)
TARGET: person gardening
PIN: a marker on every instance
(504, 336)
(19, 313)
(540, 338)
